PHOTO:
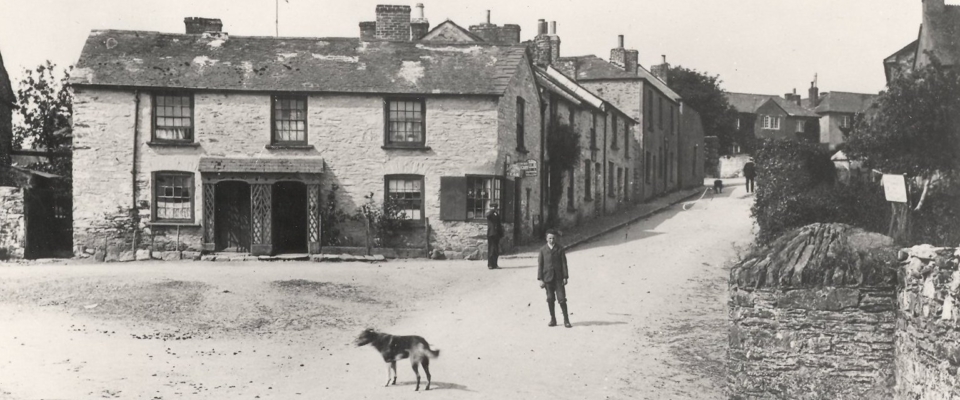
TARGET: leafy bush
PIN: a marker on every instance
(385, 220)
(796, 186)
(938, 222)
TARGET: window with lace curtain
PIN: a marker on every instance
(173, 117)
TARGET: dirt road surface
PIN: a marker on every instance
(647, 303)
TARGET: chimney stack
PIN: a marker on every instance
(393, 22)
(814, 95)
(368, 30)
(629, 60)
(542, 46)
(198, 25)
(661, 71)
(488, 16)
(554, 42)
(419, 26)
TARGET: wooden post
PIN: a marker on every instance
(366, 225)
(426, 234)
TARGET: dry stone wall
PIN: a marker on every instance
(12, 228)
(813, 314)
(928, 325)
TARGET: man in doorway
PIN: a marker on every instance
(750, 173)
(494, 234)
(552, 274)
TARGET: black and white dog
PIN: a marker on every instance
(394, 348)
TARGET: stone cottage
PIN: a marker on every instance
(645, 97)
(208, 141)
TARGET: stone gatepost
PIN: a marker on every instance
(813, 316)
(928, 325)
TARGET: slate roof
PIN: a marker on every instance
(844, 102)
(555, 81)
(6, 88)
(793, 109)
(262, 165)
(746, 102)
(590, 68)
(255, 63)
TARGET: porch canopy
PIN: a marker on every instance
(261, 174)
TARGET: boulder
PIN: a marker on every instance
(127, 256)
(143, 255)
(113, 253)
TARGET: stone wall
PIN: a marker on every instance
(928, 325)
(12, 223)
(732, 166)
(813, 316)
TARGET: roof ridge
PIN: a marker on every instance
(325, 38)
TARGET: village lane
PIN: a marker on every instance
(648, 312)
(647, 303)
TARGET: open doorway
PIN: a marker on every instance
(232, 216)
(290, 217)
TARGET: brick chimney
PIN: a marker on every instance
(510, 33)
(794, 97)
(198, 25)
(660, 71)
(629, 60)
(814, 94)
(393, 22)
(419, 26)
(542, 45)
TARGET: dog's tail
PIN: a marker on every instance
(433, 353)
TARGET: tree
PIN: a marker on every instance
(703, 93)
(45, 109)
(915, 131)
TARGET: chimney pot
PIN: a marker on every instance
(664, 58)
(541, 27)
(488, 16)
(553, 27)
(419, 10)
(619, 41)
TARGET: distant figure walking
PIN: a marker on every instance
(750, 172)
(494, 233)
(552, 274)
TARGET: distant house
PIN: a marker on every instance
(939, 36)
(645, 96)
(780, 119)
(837, 111)
(746, 105)
(243, 143)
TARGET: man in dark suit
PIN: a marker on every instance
(494, 233)
(750, 172)
(552, 274)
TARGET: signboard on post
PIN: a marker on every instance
(895, 188)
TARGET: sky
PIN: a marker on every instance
(755, 46)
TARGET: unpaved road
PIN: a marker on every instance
(647, 304)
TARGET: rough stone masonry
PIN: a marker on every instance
(928, 325)
(813, 314)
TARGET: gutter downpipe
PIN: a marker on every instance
(134, 213)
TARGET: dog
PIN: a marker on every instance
(718, 186)
(394, 348)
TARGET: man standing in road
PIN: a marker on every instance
(494, 233)
(750, 172)
(552, 274)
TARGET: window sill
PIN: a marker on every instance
(397, 147)
(173, 144)
(522, 150)
(162, 223)
(289, 147)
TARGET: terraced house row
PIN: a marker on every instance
(266, 145)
